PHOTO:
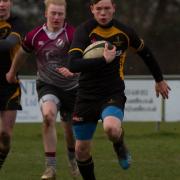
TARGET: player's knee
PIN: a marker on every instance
(112, 132)
(49, 119)
(82, 152)
(4, 142)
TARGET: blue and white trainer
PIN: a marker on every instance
(123, 155)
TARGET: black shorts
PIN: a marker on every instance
(10, 97)
(90, 111)
(66, 98)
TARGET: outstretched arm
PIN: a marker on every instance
(151, 63)
(17, 63)
(161, 87)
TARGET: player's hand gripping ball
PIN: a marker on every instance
(5, 29)
(95, 50)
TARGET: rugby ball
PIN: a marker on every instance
(95, 50)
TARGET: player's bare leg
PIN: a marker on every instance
(49, 111)
(7, 121)
(114, 131)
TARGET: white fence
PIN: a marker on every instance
(142, 103)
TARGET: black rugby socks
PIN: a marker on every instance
(86, 169)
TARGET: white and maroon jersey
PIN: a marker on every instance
(51, 50)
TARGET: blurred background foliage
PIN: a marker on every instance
(156, 21)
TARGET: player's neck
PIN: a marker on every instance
(5, 17)
(54, 29)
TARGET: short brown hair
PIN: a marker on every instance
(59, 2)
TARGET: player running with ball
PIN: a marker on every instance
(101, 83)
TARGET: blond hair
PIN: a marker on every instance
(58, 2)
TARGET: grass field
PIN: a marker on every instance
(156, 155)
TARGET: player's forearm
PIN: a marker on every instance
(81, 65)
(151, 63)
(18, 61)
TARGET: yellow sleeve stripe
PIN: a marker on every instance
(121, 69)
(76, 49)
(5, 25)
(141, 46)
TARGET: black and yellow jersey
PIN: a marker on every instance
(11, 33)
(99, 79)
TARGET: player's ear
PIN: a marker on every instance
(91, 8)
(114, 6)
(45, 13)
(11, 3)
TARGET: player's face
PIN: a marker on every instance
(55, 15)
(103, 11)
(5, 6)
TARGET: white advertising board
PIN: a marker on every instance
(29, 102)
(172, 105)
(142, 103)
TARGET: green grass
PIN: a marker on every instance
(156, 154)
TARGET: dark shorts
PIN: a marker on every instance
(91, 111)
(10, 97)
(66, 98)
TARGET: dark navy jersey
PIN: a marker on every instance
(99, 79)
(12, 26)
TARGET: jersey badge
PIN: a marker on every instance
(60, 43)
(40, 43)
